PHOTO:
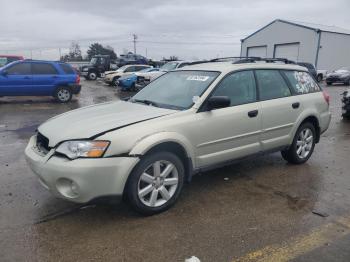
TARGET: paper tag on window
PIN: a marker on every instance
(198, 78)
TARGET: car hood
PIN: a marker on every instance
(91, 121)
(339, 73)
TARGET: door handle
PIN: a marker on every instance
(253, 113)
(296, 105)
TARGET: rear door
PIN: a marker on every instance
(45, 75)
(17, 81)
(280, 108)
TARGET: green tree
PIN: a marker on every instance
(98, 49)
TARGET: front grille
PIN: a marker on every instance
(42, 143)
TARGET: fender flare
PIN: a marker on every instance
(147, 143)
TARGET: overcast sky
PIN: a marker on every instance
(187, 29)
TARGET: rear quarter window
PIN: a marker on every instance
(43, 69)
(302, 82)
(67, 69)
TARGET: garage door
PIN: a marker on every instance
(259, 51)
(289, 51)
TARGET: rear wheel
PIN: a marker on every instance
(319, 78)
(303, 145)
(156, 183)
(329, 83)
(63, 94)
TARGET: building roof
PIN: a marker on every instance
(311, 26)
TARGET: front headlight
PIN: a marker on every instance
(86, 69)
(85, 149)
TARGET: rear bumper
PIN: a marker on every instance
(75, 88)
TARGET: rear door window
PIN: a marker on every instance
(43, 69)
(130, 69)
(302, 82)
(19, 69)
(271, 84)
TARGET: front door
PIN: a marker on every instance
(16, 80)
(232, 132)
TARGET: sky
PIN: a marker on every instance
(196, 29)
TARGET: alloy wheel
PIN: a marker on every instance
(63, 95)
(304, 143)
(158, 183)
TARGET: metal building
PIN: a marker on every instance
(327, 47)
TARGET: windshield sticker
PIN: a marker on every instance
(197, 78)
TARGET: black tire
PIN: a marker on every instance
(319, 78)
(329, 83)
(63, 94)
(132, 187)
(92, 76)
(115, 81)
(347, 83)
(291, 154)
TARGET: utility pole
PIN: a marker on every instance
(134, 40)
(60, 53)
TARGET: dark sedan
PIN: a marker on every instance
(341, 75)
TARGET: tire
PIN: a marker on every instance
(159, 190)
(92, 76)
(329, 83)
(301, 140)
(115, 81)
(319, 78)
(63, 94)
(347, 83)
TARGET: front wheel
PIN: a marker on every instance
(319, 78)
(329, 83)
(156, 183)
(63, 94)
(303, 145)
(92, 76)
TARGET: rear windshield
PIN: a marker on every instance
(67, 69)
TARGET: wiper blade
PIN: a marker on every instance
(146, 102)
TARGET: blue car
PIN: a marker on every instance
(39, 78)
(128, 82)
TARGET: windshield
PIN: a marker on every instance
(122, 69)
(344, 69)
(169, 66)
(3, 61)
(176, 90)
(93, 61)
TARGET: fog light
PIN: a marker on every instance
(67, 188)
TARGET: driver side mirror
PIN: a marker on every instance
(217, 102)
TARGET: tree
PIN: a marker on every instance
(171, 58)
(74, 53)
(98, 49)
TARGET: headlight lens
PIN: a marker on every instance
(76, 149)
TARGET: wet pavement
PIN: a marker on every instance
(260, 210)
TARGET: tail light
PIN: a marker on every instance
(326, 96)
(77, 80)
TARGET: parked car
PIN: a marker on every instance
(186, 121)
(111, 77)
(143, 81)
(321, 74)
(341, 75)
(99, 64)
(39, 78)
(128, 81)
(132, 59)
(6, 59)
(311, 68)
(346, 105)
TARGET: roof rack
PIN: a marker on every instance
(267, 60)
(223, 59)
